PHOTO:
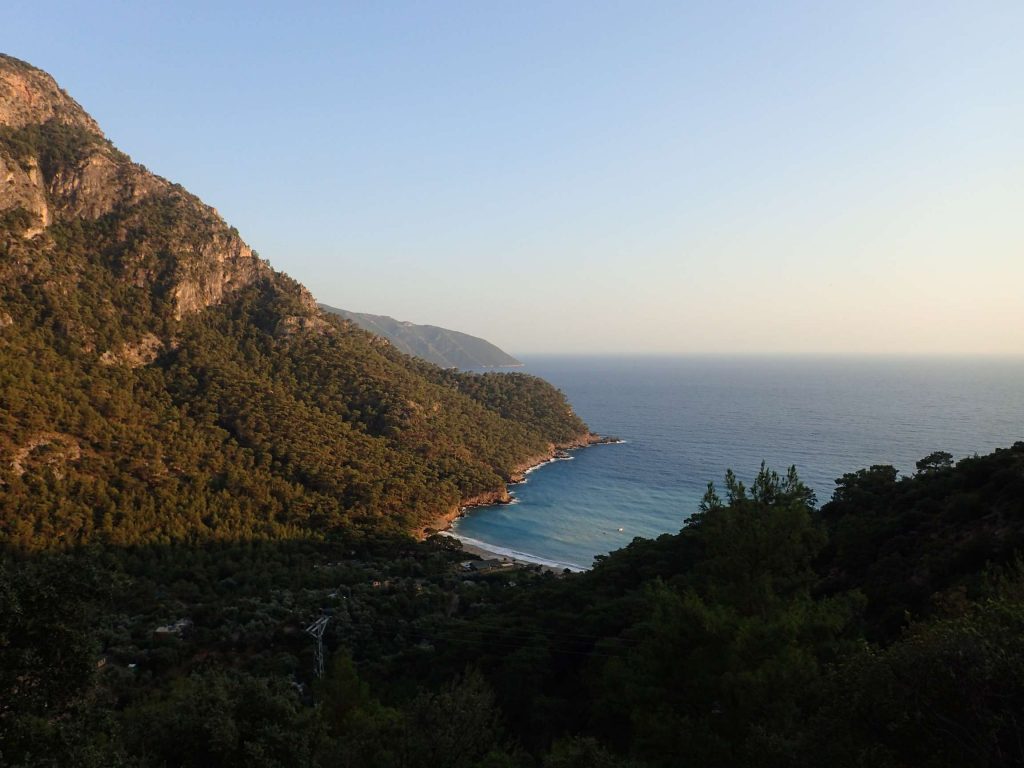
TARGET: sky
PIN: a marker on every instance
(591, 177)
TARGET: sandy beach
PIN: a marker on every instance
(473, 547)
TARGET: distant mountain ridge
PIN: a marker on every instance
(443, 347)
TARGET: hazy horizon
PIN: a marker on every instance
(1015, 356)
(667, 179)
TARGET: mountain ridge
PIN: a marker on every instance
(440, 346)
(162, 382)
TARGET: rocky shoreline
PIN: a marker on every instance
(555, 452)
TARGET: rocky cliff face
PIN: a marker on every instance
(57, 168)
(22, 188)
(29, 96)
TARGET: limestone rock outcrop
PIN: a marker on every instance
(29, 96)
(56, 168)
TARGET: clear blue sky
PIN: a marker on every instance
(592, 177)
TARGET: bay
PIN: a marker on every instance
(685, 420)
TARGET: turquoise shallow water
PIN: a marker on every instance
(686, 420)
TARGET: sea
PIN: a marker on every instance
(684, 421)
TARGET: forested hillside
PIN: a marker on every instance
(760, 635)
(160, 382)
(886, 628)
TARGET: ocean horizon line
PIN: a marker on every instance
(1015, 356)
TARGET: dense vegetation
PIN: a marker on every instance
(255, 417)
(760, 635)
(238, 433)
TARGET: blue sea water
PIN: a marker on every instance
(686, 420)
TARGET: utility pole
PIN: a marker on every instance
(316, 629)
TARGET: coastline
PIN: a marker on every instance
(490, 552)
(556, 452)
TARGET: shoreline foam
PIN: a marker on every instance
(556, 452)
(487, 550)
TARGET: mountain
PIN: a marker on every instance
(197, 464)
(161, 382)
(448, 349)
